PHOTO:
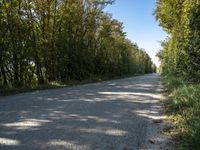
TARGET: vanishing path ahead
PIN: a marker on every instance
(113, 115)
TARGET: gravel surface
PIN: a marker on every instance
(115, 115)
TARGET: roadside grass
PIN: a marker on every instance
(55, 85)
(13, 91)
(183, 108)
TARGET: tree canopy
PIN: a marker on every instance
(181, 50)
(58, 40)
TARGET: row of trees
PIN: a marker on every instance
(181, 50)
(58, 40)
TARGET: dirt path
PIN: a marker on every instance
(114, 115)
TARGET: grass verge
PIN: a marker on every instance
(183, 108)
(55, 85)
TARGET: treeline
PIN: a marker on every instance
(180, 64)
(181, 51)
(60, 40)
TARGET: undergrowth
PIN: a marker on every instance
(54, 85)
(184, 110)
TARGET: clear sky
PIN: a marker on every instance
(139, 23)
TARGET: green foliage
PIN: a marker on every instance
(180, 64)
(184, 106)
(172, 82)
(181, 51)
(42, 41)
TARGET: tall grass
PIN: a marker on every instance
(184, 109)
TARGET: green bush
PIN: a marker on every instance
(173, 82)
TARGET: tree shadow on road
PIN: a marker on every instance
(107, 115)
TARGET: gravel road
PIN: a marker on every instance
(114, 115)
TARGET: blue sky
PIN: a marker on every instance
(139, 23)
